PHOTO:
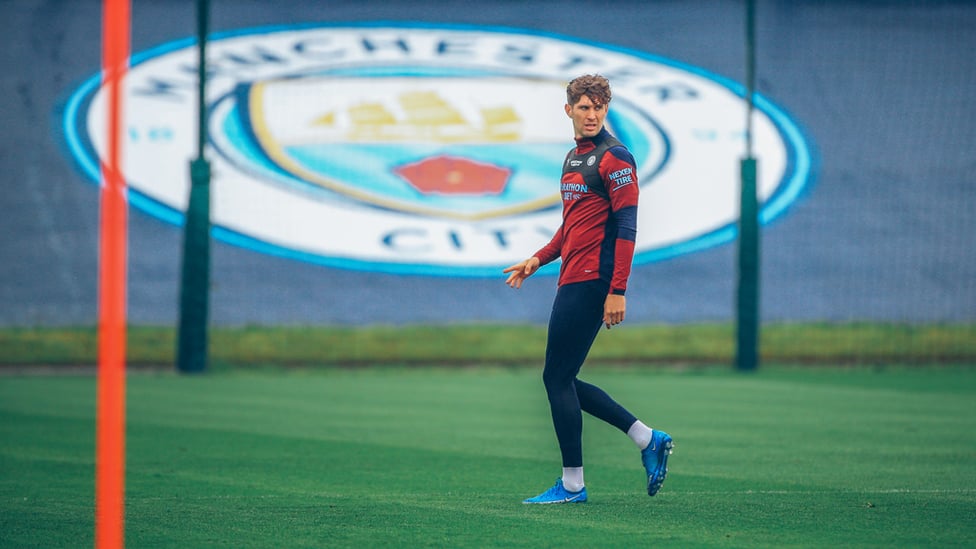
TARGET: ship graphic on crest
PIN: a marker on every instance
(420, 116)
(451, 148)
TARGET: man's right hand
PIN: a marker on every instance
(520, 271)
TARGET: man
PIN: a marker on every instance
(596, 243)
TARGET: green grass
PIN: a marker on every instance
(442, 457)
(848, 343)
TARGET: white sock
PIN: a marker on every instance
(641, 434)
(573, 478)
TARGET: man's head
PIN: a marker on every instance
(587, 101)
(594, 86)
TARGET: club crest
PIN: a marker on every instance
(429, 149)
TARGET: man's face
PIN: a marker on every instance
(587, 116)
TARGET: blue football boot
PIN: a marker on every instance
(559, 494)
(655, 458)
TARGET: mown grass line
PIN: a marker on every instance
(844, 343)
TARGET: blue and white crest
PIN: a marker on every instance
(428, 149)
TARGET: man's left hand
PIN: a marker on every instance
(613, 310)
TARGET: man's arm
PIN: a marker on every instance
(619, 172)
(524, 269)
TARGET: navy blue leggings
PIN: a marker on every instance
(577, 315)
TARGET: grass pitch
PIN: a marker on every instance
(442, 458)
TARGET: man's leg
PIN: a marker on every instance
(596, 402)
(575, 321)
(573, 325)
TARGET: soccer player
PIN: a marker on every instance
(596, 243)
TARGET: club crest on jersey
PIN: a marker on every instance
(425, 148)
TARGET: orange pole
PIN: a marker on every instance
(110, 422)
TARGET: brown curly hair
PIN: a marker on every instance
(594, 86)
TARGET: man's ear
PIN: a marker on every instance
(568, 110)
